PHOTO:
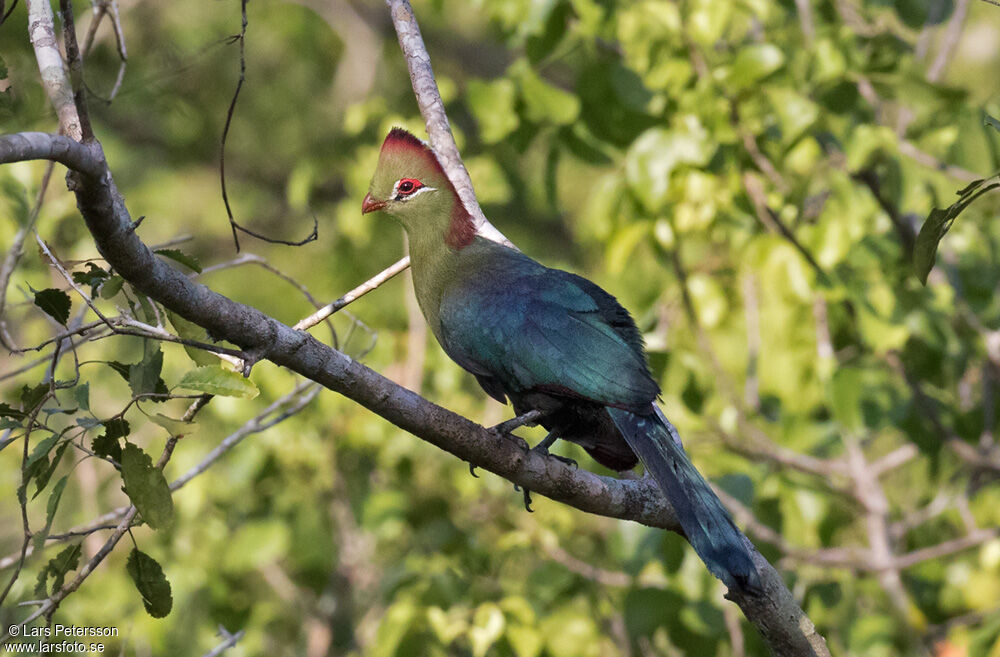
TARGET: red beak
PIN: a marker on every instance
(371, 205)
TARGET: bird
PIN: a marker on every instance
(547, 340)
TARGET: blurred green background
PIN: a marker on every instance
(746, 176)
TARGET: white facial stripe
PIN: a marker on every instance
(416, 193)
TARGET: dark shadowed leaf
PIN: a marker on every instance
(146, 487)
(93, 277)
(42, 479)
(107, 446)
(32, 397)
(939, 222)
(144, 376)
(58, 566)
(55, 303)
(152, 584)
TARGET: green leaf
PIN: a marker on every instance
(94, 277)
(116, 427)
(7, 411)
(488, 624)
(191, 331)
(218, 381)
(112, 286)
(144, 375)
(151, 583)
(55, 303)
(174, 426)
(81, 394)
(58, 567)
(42, 478)
(543, 102)
(939, 222)
(657, 152)
(185, 259)
(755, 63)
(492, 103)
(41, 450)
(107, 446)
(32, 397)
(146, 486)
(50, 512)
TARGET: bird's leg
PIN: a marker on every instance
(543, 449)
(504, 428)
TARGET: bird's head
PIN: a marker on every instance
(410, 184)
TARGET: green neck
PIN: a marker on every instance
(434, 262)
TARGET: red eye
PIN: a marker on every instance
(407, 186)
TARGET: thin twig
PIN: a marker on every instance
(372, 283)
(235, 227)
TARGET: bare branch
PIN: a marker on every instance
(50, 65)
(432, 109)
(355, 294)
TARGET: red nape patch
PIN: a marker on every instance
(461, 231)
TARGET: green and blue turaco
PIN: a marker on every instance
(547, 340)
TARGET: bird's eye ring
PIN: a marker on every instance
(407, 186)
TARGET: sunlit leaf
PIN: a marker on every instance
(216, 380)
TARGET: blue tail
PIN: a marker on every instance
(706, 523)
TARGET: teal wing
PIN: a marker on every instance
(532, 328)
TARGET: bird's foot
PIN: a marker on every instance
(543, 449)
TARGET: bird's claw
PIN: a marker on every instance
(472, 470)
(527, 498)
